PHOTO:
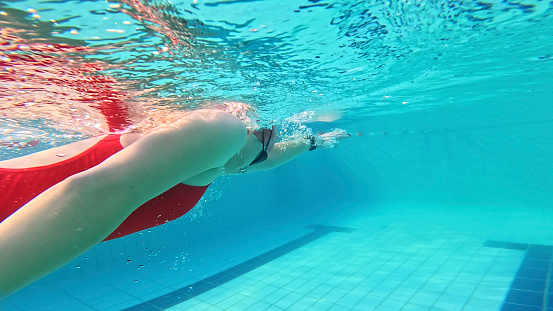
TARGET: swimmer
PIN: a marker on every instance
(58, 203)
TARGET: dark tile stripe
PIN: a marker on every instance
(531, 288)
(514, 307)
(190, 291)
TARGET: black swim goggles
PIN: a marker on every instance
(268, 138)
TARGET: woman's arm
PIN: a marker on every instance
(281, 153)
(286, 151)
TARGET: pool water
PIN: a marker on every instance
(441, 200)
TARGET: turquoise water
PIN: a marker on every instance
(448, 189)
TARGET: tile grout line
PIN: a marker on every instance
(547, 286)
(511, 298)
(195, 289)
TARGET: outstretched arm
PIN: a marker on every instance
(286, 151)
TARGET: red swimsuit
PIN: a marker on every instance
(19, 186)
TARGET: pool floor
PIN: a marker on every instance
(396, 257)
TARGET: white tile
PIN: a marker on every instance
(320, 291)
(351, 298)
(222, 295)
(490, 292)
(461, 289)
(265, 291)
(450, 302)
(445, 274)
(304, 303)
(426, 270)
(369, 302)
(436, 285)
(335, 295)
(397, 277)
(252, 290)
(351, 282)
(245, 304)
(412, 307)
(336, 307)
(402, 293)
(205, 306)
(415, 281)
(276, 296)
(470, 277)
(383, 290)
(294, 285)
(476, 304)
(230, 301)
(211, 293)
(390, 304)
(424, 298)
(495, 280)
(321, 305)
(288, 300)
(260, 305)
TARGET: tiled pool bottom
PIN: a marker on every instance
(399, 258)
(414, 261)
(407, 259)
(364, 271)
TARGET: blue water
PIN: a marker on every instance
(454, 101)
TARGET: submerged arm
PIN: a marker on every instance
(284, 152)
(281, 153)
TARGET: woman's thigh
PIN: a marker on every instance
(198, 142)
